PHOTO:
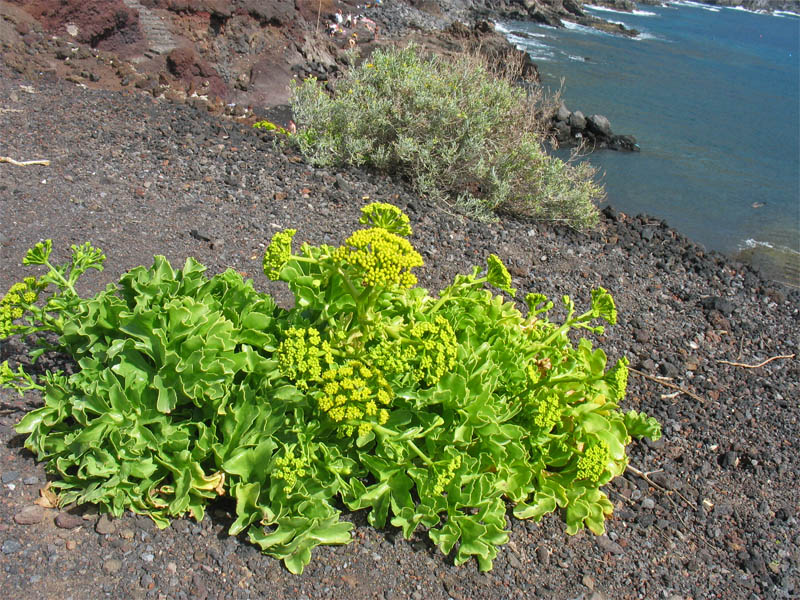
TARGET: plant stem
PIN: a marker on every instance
(428, 462)
(412, 446)
(67, 283)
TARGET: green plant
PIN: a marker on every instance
(459, 131)
(426, 411)
(270, 126)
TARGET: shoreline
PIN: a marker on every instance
(40, 57)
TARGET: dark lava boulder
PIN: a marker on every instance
(599, 125)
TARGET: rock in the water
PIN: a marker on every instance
(563, 113)
(577, 121)
(599, 125)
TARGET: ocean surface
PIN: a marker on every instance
(712, 95)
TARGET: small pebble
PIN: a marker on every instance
(588, 581)
(105, 525)
(67, 520)
(648, 503)
(543, 555)
(30, 515)
(112, 565)
(9, 476)
(11, 546)
(607, 545)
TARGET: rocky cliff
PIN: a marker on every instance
(243, 52)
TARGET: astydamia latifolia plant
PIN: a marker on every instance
(429, 411)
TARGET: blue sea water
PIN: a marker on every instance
(712, 96)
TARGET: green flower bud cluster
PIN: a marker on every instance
(380, 257)
(278, 253)
(594, 462)
(355, 396)
(13, 305)
(603, 306)
(391, 218)
(498, 276)
(392, 356)
(6, 374)
(443, 478)
(300, 355)
(437, 352)
(289, 469)
(617, 379)
(547, 406)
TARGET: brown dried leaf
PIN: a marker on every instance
(47, 497)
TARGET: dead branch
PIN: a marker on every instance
(761, 364)
(23, 163)
(667, 493)
(669, 385)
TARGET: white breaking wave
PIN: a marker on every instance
(751, 243)
(584, 28)
(747, 10)
(785, 13)
(638, 13)
(697, 5)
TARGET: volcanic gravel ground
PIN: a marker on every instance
(718, 517)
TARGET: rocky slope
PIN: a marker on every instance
(239, 58)
(242, 52)
(717, 516)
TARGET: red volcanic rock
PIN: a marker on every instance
(278, 12)
(186, 65)
(269, 82)
(222, 8)
(104, 24)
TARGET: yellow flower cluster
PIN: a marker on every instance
(278, 253)
(381, 258)
(300, 354)
(355, 396)
(437, 349)
(13, 304)
(594, 462)
(289, 469)
(446, 476)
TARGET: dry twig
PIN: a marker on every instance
(23, 163)
(761, 364)
(669, 385)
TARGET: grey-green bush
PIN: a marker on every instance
(462, 133)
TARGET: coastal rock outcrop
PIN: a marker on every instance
(573, 128)
(547, 12)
